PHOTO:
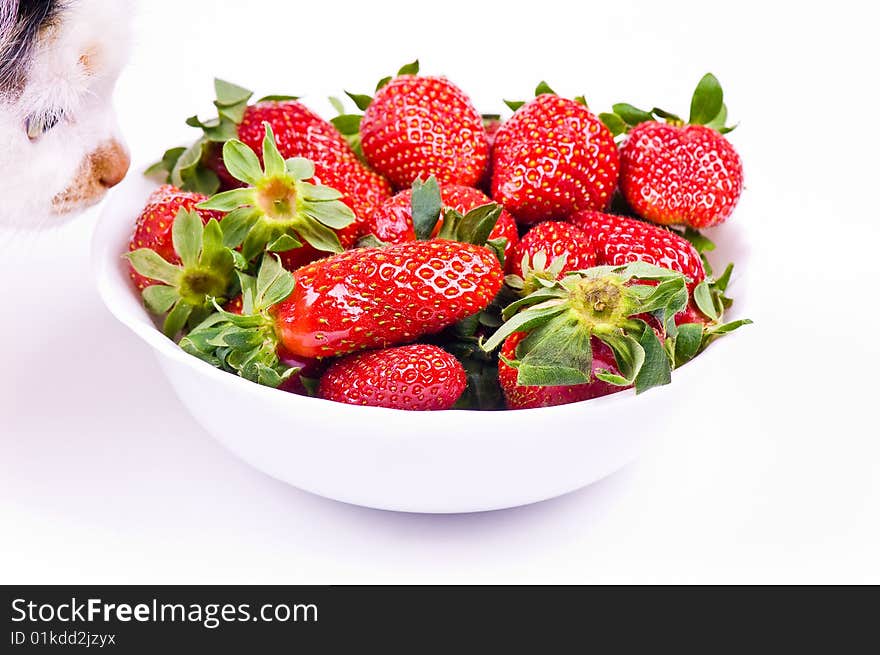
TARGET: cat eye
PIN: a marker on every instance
(36, 125)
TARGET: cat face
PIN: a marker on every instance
(59, 144)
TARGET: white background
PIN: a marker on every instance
(773, 476)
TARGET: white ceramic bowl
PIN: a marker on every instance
(439, 462)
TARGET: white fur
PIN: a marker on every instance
(33, 173)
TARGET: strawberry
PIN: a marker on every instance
(299, 133)
(421, 126)
(360, 299)
(563, 318)
(674, 173)
(546, 242)
(620, 240)
(518, 396)
(280, 211)
(153, 227)
(552, 158)
(414, 377)
(302, 133)
(392, 222)
(187, 269)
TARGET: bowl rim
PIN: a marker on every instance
(110, 240)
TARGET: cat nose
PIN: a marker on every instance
(110, 163)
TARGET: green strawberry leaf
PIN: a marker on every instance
(347, 123)
(426, 205)
(318, 236)
(332, 213)
(242, 162)
(215, 129)
(383, 82)
(159, 298)
(703, 299)
(176, 319)
(524, 321)
(614, 123)
(409, 69)
(725, 328)
(214, 255)
(150, 264)
(189, 175)
(300, 168)
(256, 239)
(361, 101)
(699, 241)
(543, 88)
(227, 201)
(718, 123)
(283, 243)
(629, 356)
(632, 115)
(665, 115)
(319, 192)
(720, 284)
(656, 369)
(278, 98)
(370, 241)
(707, 101)
(687, 342)
(201, 180)
(273, 283)
(556, 353)
(273, 162)
(237, 223)
(514, 104)
(186, 235)
(336, 103)
(228, 94)
(475, 226)
(581, 100)
(498, 245)
(161, 170)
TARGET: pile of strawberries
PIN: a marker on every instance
(422, 256)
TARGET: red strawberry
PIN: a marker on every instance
(281, 210)
(677, 174)
(421, 126)
(374, 298)
(414, 377)
(299, 132)
(393, 223)
(553, 239)
(619, 240)
(520, 396)
(552, 158)
(360, 299)
(153, 227)
(680, 175)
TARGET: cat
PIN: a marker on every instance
(60, 149)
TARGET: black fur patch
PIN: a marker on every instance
(23, 20)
